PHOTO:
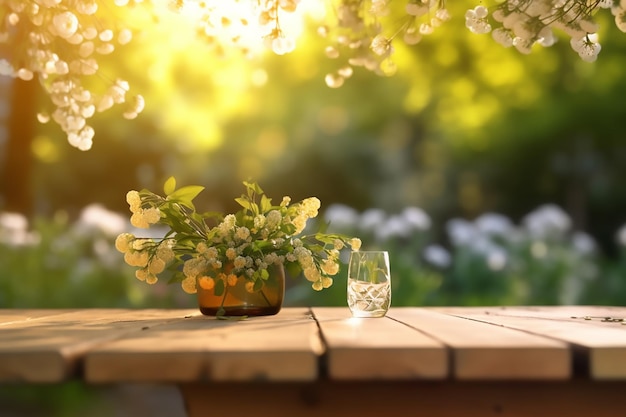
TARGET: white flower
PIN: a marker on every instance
(416, 9)
(476, 20)
(334, 80)
(395, 226)
(416, 218)
(587, 47)
(124, 37)
(87, 7)
(494, 224)
(546, 37)
(583, 243)
(442, 14)
(6, 68)
(283, 45)
(106, 35)
(14, 230)
(96, 216)
(379, 8)
(496, 259)
(65, 24)
(546, 220)
(621, 236)
(25, 74)
(503, 36)
(461, 232)
(437, 255)
(412, 36)
(620, 18)
(381, 46)
(341, 216)
(371, 219)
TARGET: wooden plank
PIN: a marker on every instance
(276, 348)
(10, 316)
(50, 348)
(484, 351)
(603, 343)
(378, 348)
(408, 398)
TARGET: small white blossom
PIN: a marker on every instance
(65, 24)
(546, 220)
(437, 255)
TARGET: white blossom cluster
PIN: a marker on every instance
(243, 24)
(524, 23)
(58, 42)
(357, 33)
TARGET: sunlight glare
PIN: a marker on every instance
(354, 321)
(237, 23)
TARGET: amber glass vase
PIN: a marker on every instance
(232, 297)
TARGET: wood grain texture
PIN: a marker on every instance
(485, 351)
(11, 316)
(51, 348)
(378, 348)
(481, 343)
(603, 343)
(276, 348)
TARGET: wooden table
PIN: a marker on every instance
(482, 361)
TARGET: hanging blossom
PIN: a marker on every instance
(357, 35)
(523, 23)
(58, 42)
(361, 33)
(242, 25)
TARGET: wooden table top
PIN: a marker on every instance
(306, 344)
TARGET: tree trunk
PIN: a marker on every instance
(17, 171)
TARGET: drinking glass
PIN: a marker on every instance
(369, 283)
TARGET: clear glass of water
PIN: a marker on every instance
(369, 283)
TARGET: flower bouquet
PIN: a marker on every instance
(235, 262)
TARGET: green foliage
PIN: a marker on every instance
(56, 263)
(59, 263)
(54, 400)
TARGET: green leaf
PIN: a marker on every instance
(244, 202)
(169, 186)
(261, 244)
(266, 204)
(253, 186)
(288, 229)
(186, 194)
(264, 274)
(325, 238)
(258, 284)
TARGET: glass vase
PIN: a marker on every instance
(224, 294)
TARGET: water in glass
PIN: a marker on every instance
(368, 300)
(369, 283)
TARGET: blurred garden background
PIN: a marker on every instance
(490, 176)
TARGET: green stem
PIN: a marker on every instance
(221, 311)
(267, 301)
